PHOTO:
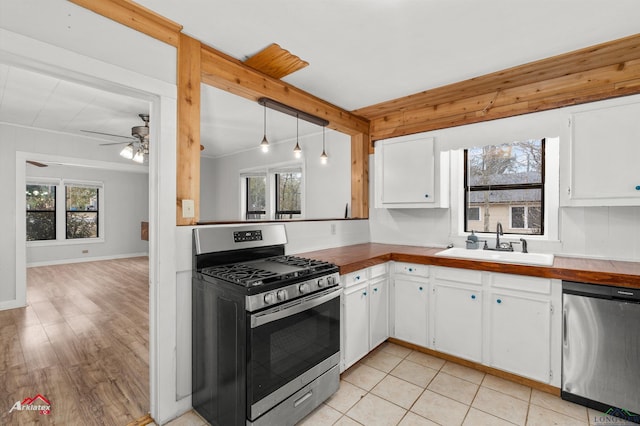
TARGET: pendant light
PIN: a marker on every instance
(265, 143)
(297, 151)
(323, 157)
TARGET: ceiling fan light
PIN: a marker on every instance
(127, 152)
(139, 157)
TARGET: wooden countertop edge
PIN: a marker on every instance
(572, 269)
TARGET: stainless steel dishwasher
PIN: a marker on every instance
(601, 348)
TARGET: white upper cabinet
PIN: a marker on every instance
(408, 174)
(604, 157)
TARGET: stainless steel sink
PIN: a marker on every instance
(543, 259)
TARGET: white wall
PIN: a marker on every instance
(328, 187)
(610, 232)
(125, 205)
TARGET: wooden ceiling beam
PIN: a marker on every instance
(137, 17)
(599, 72)
(227, 73)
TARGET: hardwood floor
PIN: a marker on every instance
(82, 343)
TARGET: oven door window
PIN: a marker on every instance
(283, 349)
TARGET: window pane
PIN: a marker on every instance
(473, 213)
(82, 225)
(256, 196)
(41, 197)
(82, 199)
(513, 163)
(41, 212)
(534, 217)
(288, 200)
(82, 212)
(517, 217)
(497, 206)
(41, 226)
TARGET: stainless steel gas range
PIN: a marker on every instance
(265, 327)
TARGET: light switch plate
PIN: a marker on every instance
(188, 208)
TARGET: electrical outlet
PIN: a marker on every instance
(188, 209)
(333, 229)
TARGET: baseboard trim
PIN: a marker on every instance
(480, 367)
(85, 259)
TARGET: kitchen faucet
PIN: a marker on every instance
(499, 246)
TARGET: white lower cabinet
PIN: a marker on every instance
(410, 303)
(457, 312)
(501, 320)
(520, 326)
(365, 312)
(356, 323)
(458, 321)
(378, 311)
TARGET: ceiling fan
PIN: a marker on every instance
(137, 148)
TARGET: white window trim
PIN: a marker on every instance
(269, 171)
(61, 211)
(551, 194)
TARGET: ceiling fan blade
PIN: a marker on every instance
(37, 164)
(109, 134)
(114, 143)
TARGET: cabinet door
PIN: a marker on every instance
(356, 323)
(410, 307)
(378, 312)
(520, 339)
(458, 321)
(604, 155)
(408, 171)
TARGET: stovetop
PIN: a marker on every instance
(268, 271)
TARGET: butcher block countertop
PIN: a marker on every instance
(596, 271)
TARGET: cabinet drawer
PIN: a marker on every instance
(355, 277)
(521, 283)
(466, 276)
(412, 269)
(377, 270)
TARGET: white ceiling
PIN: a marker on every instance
(361, 52)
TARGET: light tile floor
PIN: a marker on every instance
(394, 385)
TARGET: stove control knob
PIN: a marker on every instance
(322, 282)
(331, 280)
(269, 298)
(303, 288)
(282, 295)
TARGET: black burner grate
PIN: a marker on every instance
(249, 275)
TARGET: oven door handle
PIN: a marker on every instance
(266, 317)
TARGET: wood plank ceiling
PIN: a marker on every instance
(594, 73)
(275, 61)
